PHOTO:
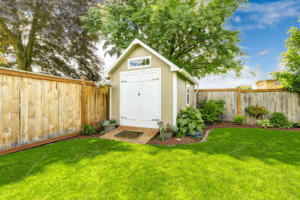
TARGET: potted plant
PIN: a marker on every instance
(166, 132)
(109, 125)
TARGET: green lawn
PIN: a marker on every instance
(233, 163)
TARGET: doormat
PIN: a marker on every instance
(129, 134)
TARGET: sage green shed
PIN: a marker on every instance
(147, 88)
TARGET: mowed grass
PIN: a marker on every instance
(234, 163)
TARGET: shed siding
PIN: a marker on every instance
(181, 93)
(166, 84)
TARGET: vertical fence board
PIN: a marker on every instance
(55, 108)
(65, 102)
(61, 108)
(6, 111)
(78, 107)
(38, 110)
(15, 114)
(45, 109)
(70, 113)
(1, 113)
(24, 110)
(31, 111)
(74, 107)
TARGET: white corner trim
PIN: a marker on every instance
(174, 98)
(110, 95)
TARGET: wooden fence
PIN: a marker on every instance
(275, 100)
(35, 107)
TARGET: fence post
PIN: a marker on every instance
(82, 101)
(239, 101)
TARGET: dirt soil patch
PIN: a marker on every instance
(188, 140)
(129, 134)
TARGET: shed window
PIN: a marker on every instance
(277, 83)
(188, 94)
(139, 62)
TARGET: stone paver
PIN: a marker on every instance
(149, 133)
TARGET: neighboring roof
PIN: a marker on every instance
(134, 43)
(265, 80)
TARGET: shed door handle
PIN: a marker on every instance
(139, 94)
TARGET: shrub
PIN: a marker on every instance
(280, 120)
(189, 121)
(239, 119)
(257, 110)
(102, 132)
(160, 138)
(264, 123)
(89, 130)
(211, 109)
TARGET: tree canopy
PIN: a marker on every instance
(189, 33)
(48, 34)
(291, 79)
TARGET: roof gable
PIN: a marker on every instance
(137, 42)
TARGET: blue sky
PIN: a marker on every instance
(263, 25)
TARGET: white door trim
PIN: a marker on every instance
(136, 71)
(110, 95)
(174, 98)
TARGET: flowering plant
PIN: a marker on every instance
(198, 135)
(168, 128)
(103, 83)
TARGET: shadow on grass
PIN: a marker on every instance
(17, 166)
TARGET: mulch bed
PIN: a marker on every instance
(188, 140)
(129, 134)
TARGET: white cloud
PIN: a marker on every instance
(230, 80)
(242, 47)
(237, 19)
(270, 13)
(280, 67)
(264, 52)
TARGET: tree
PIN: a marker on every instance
(245, 87)
(48, 34)
(291, 79)
(189, 33)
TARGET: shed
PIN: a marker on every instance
(147, 88)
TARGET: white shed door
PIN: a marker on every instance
(140, 98)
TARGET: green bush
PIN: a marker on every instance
(264, 123)
(160, 138)
(239, 119)
(211, 109)
(89, 130)
(257, 110)
(102, 132)
(189, 121)
(280, 120)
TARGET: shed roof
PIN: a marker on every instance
(134, 43)
(268, 80)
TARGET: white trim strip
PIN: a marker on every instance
(174, 98)
(110, 95)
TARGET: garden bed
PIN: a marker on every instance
(188, 140)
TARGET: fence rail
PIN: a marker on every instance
(275, 100)
(35, 107)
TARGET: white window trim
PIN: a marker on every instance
(279, 82)
(149, 57)
(186, 93)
